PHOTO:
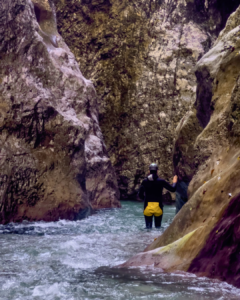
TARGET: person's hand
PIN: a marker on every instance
(175, 178)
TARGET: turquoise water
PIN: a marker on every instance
(75, 260)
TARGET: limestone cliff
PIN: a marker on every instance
(53, 161)
(141, 57)
(203, 237)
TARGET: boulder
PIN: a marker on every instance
(53, 160)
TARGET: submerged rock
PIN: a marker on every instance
(203, 237)
(53, 160)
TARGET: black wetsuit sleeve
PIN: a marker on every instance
(171, 188)
(141, 194)
(141, 191)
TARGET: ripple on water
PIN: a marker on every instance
(76, 260)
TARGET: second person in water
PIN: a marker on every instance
(151, 192)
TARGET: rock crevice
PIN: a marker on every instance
(207, 154)
(141, 57)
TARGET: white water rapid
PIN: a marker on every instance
(75, 260)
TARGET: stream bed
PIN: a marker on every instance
(67, 260)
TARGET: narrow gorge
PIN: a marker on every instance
(203, 237)
(141, 57)
(91, 93)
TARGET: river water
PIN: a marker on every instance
(75, 260)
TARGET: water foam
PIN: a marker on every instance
(77, 260)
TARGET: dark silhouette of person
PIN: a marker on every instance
(151, 192)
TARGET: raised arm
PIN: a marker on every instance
(171, 188)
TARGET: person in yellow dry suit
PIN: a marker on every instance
(151, 192)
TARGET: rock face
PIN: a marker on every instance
(141, 57)
(204, 236)
(53, 160)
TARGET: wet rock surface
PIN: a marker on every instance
(220, 256)
(141, 57)
(203, 237)
(53, 161)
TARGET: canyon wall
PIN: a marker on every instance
(203, 237)
(53, 160)
(141, 57)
